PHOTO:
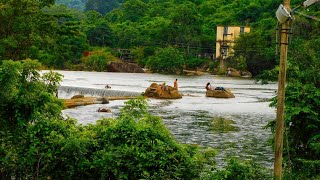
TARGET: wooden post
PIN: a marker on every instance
(278, 144)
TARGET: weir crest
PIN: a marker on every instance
(69, 91)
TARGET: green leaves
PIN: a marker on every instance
(25, 95)
(166, 60)
(136, 145)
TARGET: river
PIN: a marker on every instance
(235, 127)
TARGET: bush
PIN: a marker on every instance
(167, 60)
(193, 63)
(213, 65)
(238, 62)
(98, 60)
(241, 170)
(139, 56)
(136, 145)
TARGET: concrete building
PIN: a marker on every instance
(226, 37)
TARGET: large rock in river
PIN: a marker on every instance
(124, 67)
(220, 93)
(162, 92)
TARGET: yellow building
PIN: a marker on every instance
(226, 37)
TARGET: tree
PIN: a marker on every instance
(102, 6)
(167, 60)
(185, 23)
(19, 23)
(26, 95)
(254, 49)
(100, 35)
(134, 10)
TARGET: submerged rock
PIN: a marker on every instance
(223, 125)
(162, 92)
(104, 110)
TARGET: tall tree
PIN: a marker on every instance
(19, 21)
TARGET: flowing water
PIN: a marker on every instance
(233, 126)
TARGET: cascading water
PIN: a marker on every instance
(69, 91)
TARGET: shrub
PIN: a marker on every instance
(241, 170)
(167, 60)
(136, 145)
(139, 56)
(193, 63)
(238, 62)
(98, 60)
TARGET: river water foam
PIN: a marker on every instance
(191, 119)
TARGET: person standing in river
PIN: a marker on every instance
(175, 84)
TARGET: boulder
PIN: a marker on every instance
(246, 74)
(104, 110)
(124, 67)
(220, 93)
(237, 73)
(166, 92)
(233, 72)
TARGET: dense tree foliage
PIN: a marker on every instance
(36, 142)
(58, 36)
(102, 6)
(166, 60)
(26, 95)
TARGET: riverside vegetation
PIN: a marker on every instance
(36, 142)
(57, 36)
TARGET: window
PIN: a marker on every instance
(241, 29)
(225, 30)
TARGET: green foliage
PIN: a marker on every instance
(19, 26)
(253, 48)
(98, 60)
(241, 170)
(238, 62)
(75, 4)
(25, 95)
(100, 35)
(166, 60)
(139, 55)
(213, 65)
(133, 10)
(193, 63)
(135, 145)
(102, 6)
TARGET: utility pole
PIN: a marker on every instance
(278, 144)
